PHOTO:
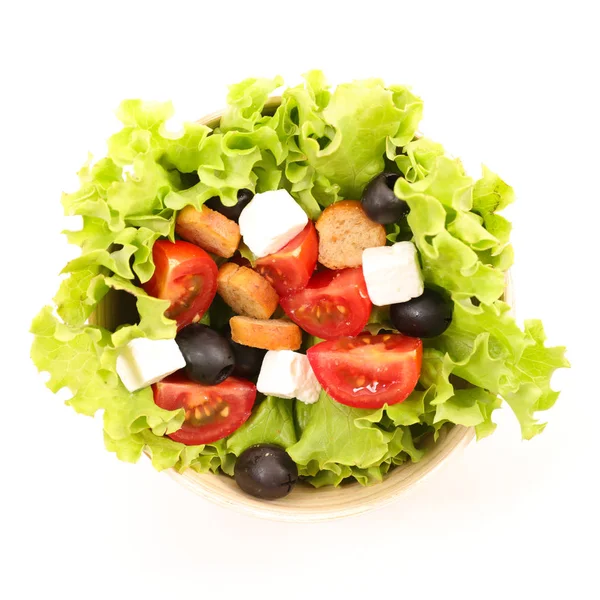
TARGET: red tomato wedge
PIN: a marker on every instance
(187, 276)
(333, 304)
(368, 371)
(290, 269)
(212, 412)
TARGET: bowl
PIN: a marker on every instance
(308, 504)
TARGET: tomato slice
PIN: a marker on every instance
(368, 371)
(212, 412)
(290, 269)
(187, 276)
(333, 304)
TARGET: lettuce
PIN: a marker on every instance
(272, 422)
(322, 144)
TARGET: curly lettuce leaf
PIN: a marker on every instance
(489, 351)
(534, 370)
(363, 115)
(335, 433)
(271, 423)
(417, 159)
(166, 454)
(78, 295)
(245, 103)
(449, 253)
(491, 194)
(299, 123)
(338, 140)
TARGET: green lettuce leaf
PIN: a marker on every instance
(534, 371)
(335, 433)
(363, 115)
(271, 423)
(78, 295)
(418, 158)
(246, 102)
(491, 194)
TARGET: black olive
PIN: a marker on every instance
(266, 471)
(231, 212)
(379, 201)
(248, 360)
(209, 358)
(426, 316)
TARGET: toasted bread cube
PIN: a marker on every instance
(273, 334)
(246, 291)
(208, 229)
(344, 232)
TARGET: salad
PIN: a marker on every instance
(310, 290)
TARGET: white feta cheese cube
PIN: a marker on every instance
(270, 221)
(392, 273)
(143, 362)
(288, 374)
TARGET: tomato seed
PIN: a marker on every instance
(225, 412)
(366, 340)
(197, 414)
(342, 309)
(360, 381)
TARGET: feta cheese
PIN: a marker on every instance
(392, 273)
(288, 374)
(143, 362)
(270, 221)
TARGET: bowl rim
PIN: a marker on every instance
(207, 485)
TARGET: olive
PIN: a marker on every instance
(426, 316)
(266, 471)
(209, 358)
(248, 360)
(379, 201)
(231, 212)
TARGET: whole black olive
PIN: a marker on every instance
(209, 358)
(426, 316)
(231, 212)
(248, 360)
(266, 471)
(379, 201)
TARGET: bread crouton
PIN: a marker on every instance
(274, 334)
(344, 232)
(208, 229)
(246, 291)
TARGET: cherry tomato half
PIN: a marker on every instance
(290, 268)
(332, 305)
(187, 276)
(368, 371)
(212, 412)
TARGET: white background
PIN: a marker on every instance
(510, 85)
